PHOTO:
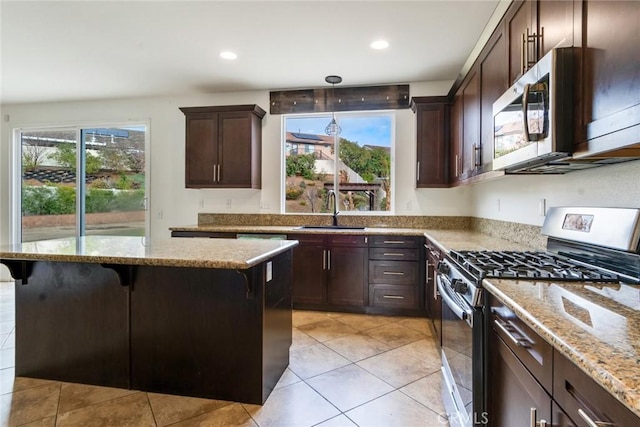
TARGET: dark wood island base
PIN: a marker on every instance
(204, 332)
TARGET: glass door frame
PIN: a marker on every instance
(15, 190)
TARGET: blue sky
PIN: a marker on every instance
(371, 130)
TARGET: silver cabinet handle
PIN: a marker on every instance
(394, 242)
(393, 273)
(435, 287)
(457, 174)
(418, 172)
(523, 60)
(219, 172)
(392, 297)
(392, 254)
(519, 342)
(324, 259)
(215, 167)
(328, 259)
(587, 419)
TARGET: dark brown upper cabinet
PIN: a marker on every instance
(223, 146)
(608, 77)
(432, 154)
(533, 28)
(493, 83)
(471, 124)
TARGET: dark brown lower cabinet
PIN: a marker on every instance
(204, 332)
(526, 374)
(330, 271)
(515, 397)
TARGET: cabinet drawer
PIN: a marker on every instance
(347, 240)
(393, 272)
(307, 239)
(393, 296)
(581, 397)
(393, 254)
(534, 352)
(393, 241)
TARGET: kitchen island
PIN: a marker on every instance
(197, 317)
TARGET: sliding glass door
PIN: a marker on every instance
(82, 181)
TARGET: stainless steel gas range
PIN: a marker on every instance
(584, 245)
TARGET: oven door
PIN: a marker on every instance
(457, 350)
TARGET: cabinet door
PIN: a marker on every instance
(518, 24)
(471, 125)
(201, 149)
(513, 392)
(432, 169)
(555, 25)
(309, 265)
(610, 75)
(455, 164)
(234, 149)
(347, 268)
(494, 82)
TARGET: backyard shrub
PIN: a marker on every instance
(293, 193)
(60, 200)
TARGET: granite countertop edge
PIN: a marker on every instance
(297, 230)
(222, 260)
(628, 396)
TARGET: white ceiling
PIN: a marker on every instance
(78, 50)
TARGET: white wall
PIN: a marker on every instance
(170, 203)
(520, 195)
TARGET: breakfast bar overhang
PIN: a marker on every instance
(196, 317)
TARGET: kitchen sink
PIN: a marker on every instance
(329, 227)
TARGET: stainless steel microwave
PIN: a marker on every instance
(533, 120)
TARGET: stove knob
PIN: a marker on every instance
(443, 267)
(459, 286)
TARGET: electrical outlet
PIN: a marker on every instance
(228, 203)
(498, 205)
(201, 203)
(265, 204)
(409, 205)
(160, 214)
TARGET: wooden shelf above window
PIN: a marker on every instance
(359, 98)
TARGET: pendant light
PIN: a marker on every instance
(333, 128)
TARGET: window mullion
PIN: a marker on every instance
(80, 183)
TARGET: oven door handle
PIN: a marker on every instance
(463, 314)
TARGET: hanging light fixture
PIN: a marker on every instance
(333, 128)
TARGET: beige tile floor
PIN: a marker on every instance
(345, 370)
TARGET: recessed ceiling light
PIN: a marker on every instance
(228, 55)
(379, 44)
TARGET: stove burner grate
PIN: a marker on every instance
(528, 265)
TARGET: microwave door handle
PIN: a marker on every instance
(525, 111)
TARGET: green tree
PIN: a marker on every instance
(65, 156)
(301, 164)
(371, 164)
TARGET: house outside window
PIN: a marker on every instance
(356, 164)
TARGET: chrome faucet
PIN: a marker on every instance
(335, 205)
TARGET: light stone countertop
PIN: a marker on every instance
(196, 252)
(597, 326)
